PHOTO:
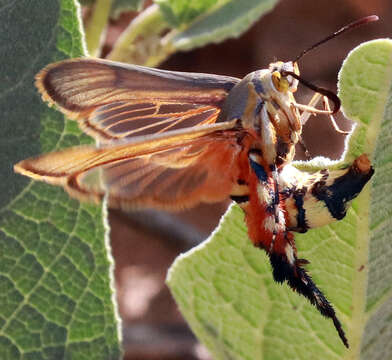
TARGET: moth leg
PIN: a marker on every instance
(297, 278)
(310, 107)
(304, 118)
(332, 119)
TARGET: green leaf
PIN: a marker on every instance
(56, 298)
(205, 21)
(120, 6)
(224, 287)
(366, 93)
(196, 23)
(140, 43)
(95, 28)
(179, 12)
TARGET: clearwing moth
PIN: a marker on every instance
(171, 140)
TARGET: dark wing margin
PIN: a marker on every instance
(114, 100)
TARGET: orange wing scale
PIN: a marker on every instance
(160, 143)
(174, 179)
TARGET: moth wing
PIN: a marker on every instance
(172, 179)
(113, 101)
(171, 171)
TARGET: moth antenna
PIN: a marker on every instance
(325, 92)
(360, 22)
(298, 279)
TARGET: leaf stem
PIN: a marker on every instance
(141, 43)
(95, 29)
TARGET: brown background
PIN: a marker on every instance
(144, 245)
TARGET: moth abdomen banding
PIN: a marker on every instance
(239, 199)
(316, 199)
(240, 192)
(298, 196)
(257, 167)
(340, 188)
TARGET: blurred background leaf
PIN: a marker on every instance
(173, 25)
(118, 6)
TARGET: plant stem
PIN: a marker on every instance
(96, 27)
(141, 43)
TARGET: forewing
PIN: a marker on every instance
(114, 100)
(160, 143)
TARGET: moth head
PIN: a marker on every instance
(281, 81)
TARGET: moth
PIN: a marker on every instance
(171, 140)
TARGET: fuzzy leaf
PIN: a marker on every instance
(193, 24)
(366, 93)
(200, 22)
(56, 295)
(179, 12)
(224, 287)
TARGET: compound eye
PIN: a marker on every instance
(280, 83)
